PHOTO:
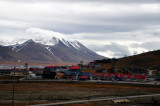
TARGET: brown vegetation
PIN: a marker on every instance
(149, 60)
(35, 93)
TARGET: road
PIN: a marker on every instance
(95, 99)
(157, 83)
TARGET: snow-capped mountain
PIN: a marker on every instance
(59, 50)
(47, 46)
(73, 51)
(35, 51)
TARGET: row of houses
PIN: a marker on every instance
(75, 73)
(93, 70)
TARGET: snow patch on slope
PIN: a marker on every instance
(65, 42)
(18, 47)
(15, 46)
(75, 45)
(22, 45)
(48, 48)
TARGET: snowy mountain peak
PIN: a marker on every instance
(48, 43)
(42, 36)
(43, 45)
(46, 38)
(55, 40)
(30, 40)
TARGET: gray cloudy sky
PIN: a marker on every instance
(112, 28)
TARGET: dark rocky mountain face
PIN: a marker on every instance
(71, 54)
(60, 51)
(36, 52)
(7, 54)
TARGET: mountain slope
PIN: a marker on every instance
(73, 52)
(36, 52)
(7, 54)
(149, 60)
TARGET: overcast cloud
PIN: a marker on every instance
(112, 28)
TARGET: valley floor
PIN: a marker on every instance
(29, 93)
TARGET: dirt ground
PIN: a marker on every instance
(50, 92)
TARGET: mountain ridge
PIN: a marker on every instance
(55, 50)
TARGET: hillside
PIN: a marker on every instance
(6, 54)
(149, 60)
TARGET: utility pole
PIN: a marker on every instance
(138, 94)
(88, 93)
(113, 64)
(13, 86)
(14, 83)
